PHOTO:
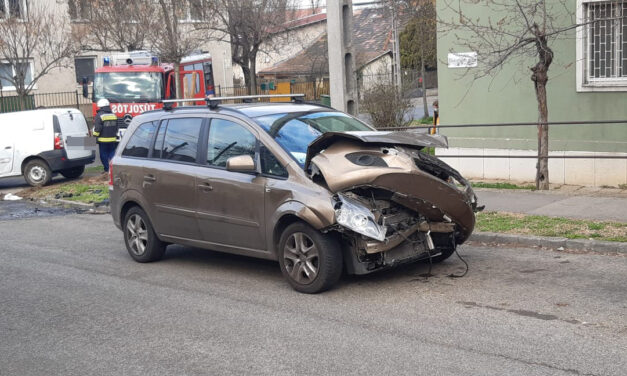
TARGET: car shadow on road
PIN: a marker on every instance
(204, 258)
(417, 272)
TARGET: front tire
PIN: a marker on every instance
(140, 238)
(73, 173)
(37, 173)
(310, 261)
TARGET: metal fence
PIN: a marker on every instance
(73, 99)
(411, 82)
(313, 90)
(440, 129)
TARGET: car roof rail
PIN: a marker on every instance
(214, 102)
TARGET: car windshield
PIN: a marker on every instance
(128, 86)
(295, 131)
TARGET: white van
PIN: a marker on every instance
(33, 144)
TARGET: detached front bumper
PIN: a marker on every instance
(406, 252)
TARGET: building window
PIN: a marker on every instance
(603, 45)
(195, 11)
(80, 10)
(12, 8)
(84, 67)
(8, 74)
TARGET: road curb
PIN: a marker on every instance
(548, 242)
(104, 209)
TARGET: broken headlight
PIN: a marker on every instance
(353, 215)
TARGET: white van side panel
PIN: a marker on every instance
(7, 149)
(30, 132)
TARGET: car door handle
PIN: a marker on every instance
(150, 178)
(7, 147)
(205, 187)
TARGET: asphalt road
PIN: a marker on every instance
(72, 302)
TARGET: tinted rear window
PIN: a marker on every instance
(139, 143)
(181, 139)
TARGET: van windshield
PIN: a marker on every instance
(295, 131)
(129, 86)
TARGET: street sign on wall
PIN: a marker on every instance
(462, 59)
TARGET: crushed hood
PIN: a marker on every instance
(418, 181)
(406, 138)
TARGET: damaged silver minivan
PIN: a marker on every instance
(313, 188)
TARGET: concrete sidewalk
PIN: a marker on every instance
(600, 205)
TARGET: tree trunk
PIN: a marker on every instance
(246, 71)
(540, 78)
(21, 99)
(542, 174)
(424, 89)
(253, 76)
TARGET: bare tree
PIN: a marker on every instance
(315, 6)
(418, 41)
(36, 32)
(172, 29)
(176, 38)
(385, 105)
(517, 29)
(115, 25)
(248, 24)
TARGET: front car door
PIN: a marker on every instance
(231, 204)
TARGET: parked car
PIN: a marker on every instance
(32, 144)
(313, 188)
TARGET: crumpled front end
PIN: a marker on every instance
(393, 203)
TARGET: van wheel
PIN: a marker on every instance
(310, 261)
(37, 173)
(73, 173)
(140, 238)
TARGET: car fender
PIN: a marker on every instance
(131, 195)
(316, 219)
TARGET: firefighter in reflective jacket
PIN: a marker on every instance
(106, 131)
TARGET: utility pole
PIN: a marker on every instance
(397, 49)
(341, 57)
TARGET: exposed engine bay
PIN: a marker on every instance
(393, 203)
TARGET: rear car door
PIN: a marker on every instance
(231, 204)
(169, 178)
(72, 124)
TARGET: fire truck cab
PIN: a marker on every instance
(135, 82)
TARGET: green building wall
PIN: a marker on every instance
(510, 97)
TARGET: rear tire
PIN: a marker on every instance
(73, 173)
(37, 173)
(139, 236)
(310, 261)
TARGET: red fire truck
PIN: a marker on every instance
(135, 82)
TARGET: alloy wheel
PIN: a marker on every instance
(137, 234)
(301, 258)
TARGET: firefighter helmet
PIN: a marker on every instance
(102, 103)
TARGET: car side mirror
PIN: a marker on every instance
(241, 163)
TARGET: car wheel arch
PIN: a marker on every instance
(31, 158)
(290, 212)
(127, 206)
